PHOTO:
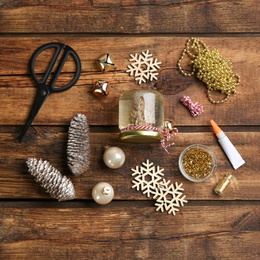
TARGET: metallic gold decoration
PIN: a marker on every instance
(78, 147)
(49, 178)
(211, 68)
(197, 163)
(222, 185)
(139, 136)
(105, 63)
(101, 88)
(168, 125)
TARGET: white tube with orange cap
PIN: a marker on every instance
(231, 152)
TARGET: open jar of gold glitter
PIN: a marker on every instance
(197, 163)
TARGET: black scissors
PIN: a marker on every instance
(45, 88)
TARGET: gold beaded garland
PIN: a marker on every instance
(212, 69)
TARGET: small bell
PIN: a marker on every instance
(101, 89)
(105, 63)
(168, 125)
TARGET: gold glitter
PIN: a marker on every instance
(197, 163)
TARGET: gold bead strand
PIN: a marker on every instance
(184, 53)
(211, 68)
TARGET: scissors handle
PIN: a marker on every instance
(59, 47)
(45, 88)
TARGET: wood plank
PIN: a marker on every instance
(50, 144)
(130, 16)
(16, 86)
(32, 225)
(129, 230)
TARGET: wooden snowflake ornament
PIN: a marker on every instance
(149, 179)
(143, 67)
(169, 197)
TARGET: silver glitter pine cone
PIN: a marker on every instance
(78, 147)
(49, 178)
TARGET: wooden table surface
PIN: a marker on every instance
(34, 226)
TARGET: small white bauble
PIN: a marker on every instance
(114, 157)
(103, 193)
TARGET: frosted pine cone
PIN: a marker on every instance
(58, 186)
(78, 148)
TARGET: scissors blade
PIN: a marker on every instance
(41, 95)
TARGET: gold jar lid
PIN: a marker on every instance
(137, 136)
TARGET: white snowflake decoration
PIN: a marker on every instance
(144, 67)
(147, 177)
(168, 197)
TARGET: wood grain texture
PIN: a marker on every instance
(16, 86)
(84, 230)
(32, 225)
(130, 16)
(51, 146)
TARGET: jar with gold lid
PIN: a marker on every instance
(141, 116)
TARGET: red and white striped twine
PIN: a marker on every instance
(167, 134)
(194, 108)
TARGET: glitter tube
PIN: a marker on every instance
(231, 152)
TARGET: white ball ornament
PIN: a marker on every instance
(114, 157)
(103, 193)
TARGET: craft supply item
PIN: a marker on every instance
(78, 146)
(101, 89)
(49, 178)
(113, 157)
(169, 197)
(141, 118)
(229, 149)
(105, 63)
(103, 193)
(194, 108)
(197, 163)
(222, 185)
(211, 68)
(46, 85)
(143, 67)
(168, 126)
(142, 108)
(148, 178)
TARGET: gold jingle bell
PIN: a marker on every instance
(168, 125)
(105, 63)
(101, 89)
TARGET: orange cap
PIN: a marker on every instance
(215, 127)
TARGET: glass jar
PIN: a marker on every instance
(141, 116)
